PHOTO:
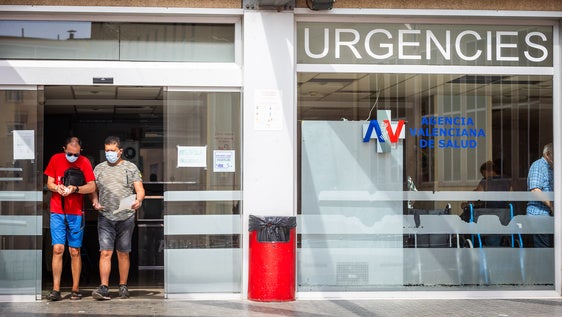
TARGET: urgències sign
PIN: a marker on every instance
(424, 44)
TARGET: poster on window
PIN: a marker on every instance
(223, 161)
(192, 156)
(24, 144)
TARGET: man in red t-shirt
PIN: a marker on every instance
(66, 223)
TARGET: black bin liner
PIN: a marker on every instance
(272, 229)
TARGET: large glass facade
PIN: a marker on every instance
(405, 203)
(202, 222)
(187, 143)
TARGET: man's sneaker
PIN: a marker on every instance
(54, 296)
(123, 291)
(102, 293)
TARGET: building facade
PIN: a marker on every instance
(372, 122)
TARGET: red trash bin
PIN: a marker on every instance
(272, 264)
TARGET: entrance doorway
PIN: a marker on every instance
(135, 114)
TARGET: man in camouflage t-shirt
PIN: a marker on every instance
(116, 179)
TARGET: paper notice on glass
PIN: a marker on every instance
(223, 161)
(126, 203)
(192, 156)
(24, 144)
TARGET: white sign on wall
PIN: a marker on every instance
(268, 110)
(192, 156)
(424, 44)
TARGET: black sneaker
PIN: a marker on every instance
(102, 293)
(123, 291)
(54, 296)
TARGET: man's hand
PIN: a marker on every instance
(63, 190)
(137, 204)
(97, 206)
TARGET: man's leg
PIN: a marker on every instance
(543, 240)
(102, 292)
(76, 264)
(58, 251)
(75, 235)
(106, 239)
(124, 231)
(105, 266)
(124, 264)
(58, 240)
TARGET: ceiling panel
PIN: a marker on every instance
(103, 100)
(150, 93)
(94, 92)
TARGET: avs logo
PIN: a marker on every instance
(387, 132)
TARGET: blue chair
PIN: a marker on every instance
(505, 215)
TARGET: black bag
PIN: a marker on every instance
(73, 176)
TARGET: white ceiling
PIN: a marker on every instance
(315, 90)
(354, 87)
(103, 100)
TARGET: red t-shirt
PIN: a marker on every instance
(55, 169)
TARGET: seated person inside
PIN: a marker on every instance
(491, 181)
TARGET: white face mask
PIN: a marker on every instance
(111, 156)
(71, 158)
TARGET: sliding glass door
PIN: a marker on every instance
(21, 164)
(202, 220)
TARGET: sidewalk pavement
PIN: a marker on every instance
(149, 303)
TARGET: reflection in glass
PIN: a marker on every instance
(20, 195)
(177, 42)
(358, 232)
(76, 40)
(202, 214)
(59, 40)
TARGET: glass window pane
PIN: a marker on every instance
(75, 40)
(202, 192)
(177, 42)
(365, 226)
(21, 223)
(59, 40)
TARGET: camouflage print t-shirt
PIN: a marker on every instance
(114, 183)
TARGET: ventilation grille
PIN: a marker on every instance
(352, 273)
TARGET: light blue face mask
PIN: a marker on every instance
(111, 156)
(71, 159)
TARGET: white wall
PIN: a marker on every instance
(268, 152)
(268, 178)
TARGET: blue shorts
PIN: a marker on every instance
(116, 233)
(61, 233)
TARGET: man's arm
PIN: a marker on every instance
(56, 188)
(51, 186)
(139, 190)
(547, 203)
(94, 197)
(89, 188)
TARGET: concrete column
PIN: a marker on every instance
(269, 150)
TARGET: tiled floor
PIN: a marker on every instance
(151, 303)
